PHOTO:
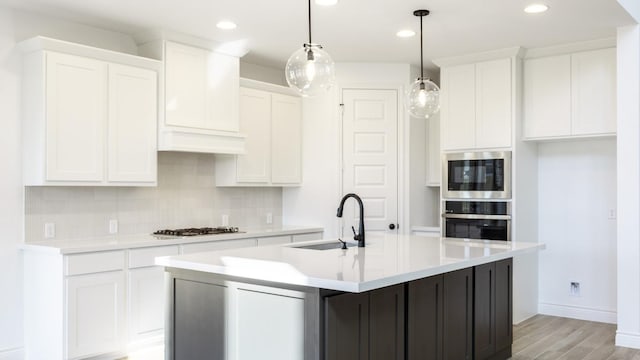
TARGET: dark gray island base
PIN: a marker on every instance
(462, 314)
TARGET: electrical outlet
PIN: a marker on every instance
(49, 230)
(269, 218)
(113, 226)
(225, 220)
(574, 289)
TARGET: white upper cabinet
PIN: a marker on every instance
(477, 105)
(286, 139)
(593, 92)
(547, 96)
(75, 118)
(272, 122)
(133, 119)
(571, 95)
(89, 116)
(458, 107)
(493, 104)
(201, 94)
(255, 165)
(434, 165)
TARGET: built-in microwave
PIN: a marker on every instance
(477, 175)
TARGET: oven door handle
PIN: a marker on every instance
(476, 216)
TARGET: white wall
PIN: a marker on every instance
(628, 269)
(10, 193)
(576, 191)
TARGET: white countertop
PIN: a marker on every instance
(147, 240)
(386, 260)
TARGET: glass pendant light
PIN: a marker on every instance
(310, 70)
(423, 96)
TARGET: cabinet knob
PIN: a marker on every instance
(392, 226)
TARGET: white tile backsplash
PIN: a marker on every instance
(186, 196)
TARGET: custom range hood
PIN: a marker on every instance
(198, 93)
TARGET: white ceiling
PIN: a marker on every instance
(353, 30)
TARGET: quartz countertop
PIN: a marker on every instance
(386, 260)
(148, 240)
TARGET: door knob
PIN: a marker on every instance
(392, 226)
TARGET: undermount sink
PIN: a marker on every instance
(324, 246)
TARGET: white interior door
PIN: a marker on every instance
(370, 158)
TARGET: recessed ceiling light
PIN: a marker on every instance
(536, 8)
(226, 25)
(326, 2)
(405, 33)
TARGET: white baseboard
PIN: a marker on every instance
(629, 340)
(580, 313)
(12, 354)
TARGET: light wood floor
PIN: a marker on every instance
(548, 337)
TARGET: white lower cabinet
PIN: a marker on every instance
(146, 303)
(105, 303)
(146, 300)
(95, 313)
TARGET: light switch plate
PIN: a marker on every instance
(225, 220)
(113, 226)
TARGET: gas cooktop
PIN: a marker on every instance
(198, 231)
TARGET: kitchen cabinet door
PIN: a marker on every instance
(504, 306)
(132, 140)
(547, 97)
(286, 139)
(424, 320)
(386, 323)
(484, 323)
(186, 71)
(146, 303)
(434, 162)
(255, 121)
(458, 107)
(95, 320)
(75, 118)
(347, 327)
(493, 104)
(458, 315)
(593, 92)
(493, 310)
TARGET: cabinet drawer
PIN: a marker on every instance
(217, 245)
(146, 256)
(274, 240)
(307, 237)
(94, 262)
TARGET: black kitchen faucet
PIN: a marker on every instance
(359, 237)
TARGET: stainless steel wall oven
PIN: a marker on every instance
(487, 220)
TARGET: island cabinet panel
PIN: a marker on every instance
(368, 325)
(504, 306)
(386, 323)
(458, 315)
(493, 310)
(424, 323)
(347, 327)
(198, 321)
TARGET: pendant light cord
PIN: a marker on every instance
(421, 51)
(309, 22)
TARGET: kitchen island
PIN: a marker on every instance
(400, 295)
